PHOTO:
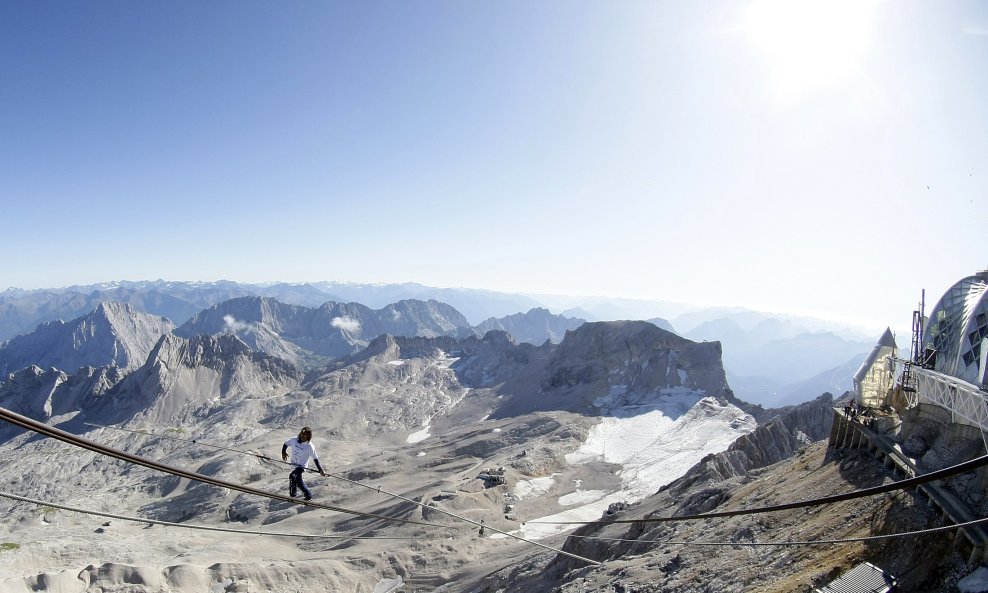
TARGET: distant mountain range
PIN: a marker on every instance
(330, 330)
(22, 310)
(115, 334)
(777, 362)
(534, 327)
(770, 360)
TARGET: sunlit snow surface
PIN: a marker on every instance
(534, 487)
(582, 497)
(418, 437)
(388, 585)
(655, 440)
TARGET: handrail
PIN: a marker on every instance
(963, 399)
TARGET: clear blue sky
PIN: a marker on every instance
(824, 161)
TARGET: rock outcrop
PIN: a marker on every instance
(534, 327)
(333, 330)
(623, 359)
(183, 379)
(43, 394)
(112, 334)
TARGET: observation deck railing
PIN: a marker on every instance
(963, 399)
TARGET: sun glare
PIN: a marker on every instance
(810, 44)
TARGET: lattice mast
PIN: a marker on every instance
(918, 317)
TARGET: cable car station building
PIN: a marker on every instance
(930, 412)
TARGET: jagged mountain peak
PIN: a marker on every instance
(499, 337)
(40, 393)
(535, 326)
(31, 375)
(429, 318)
(185, 378)
(387, 347)
(610, 335)
(199, 350)
(610, 343)
(333, 330)
(384, 347)
(246, 309)
(111, 334)
(113, 308)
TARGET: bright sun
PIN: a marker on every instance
(810, 44)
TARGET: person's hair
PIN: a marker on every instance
(305, 431)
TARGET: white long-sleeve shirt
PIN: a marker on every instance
(300, 453)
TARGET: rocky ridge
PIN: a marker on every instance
(331, 330)
(620, 360)
(111, 334)
(185, 379)
(44, 394)
(535, 327)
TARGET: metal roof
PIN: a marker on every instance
(863, 578)
(885, 345)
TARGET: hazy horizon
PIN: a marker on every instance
(559, 303)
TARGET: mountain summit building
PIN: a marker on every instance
(931, 412)
(957, 330)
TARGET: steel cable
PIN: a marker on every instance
(61, 435)
(345, 479)
(900, 485)
(794, 543)
(183, 525)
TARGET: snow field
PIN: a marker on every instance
(654, 440)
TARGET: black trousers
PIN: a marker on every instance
(295, 482)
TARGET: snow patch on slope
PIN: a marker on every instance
(534, 487)
(655, 439)
(582, 497)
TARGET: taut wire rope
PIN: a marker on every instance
(61, 435)
(374, 488)
(900, 485)
(793, 543)
(63, 507)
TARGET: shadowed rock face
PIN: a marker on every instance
(43, 394)
(187, 378)
(535, 327)
(112, 334)
(632, 357)
(479, 362)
